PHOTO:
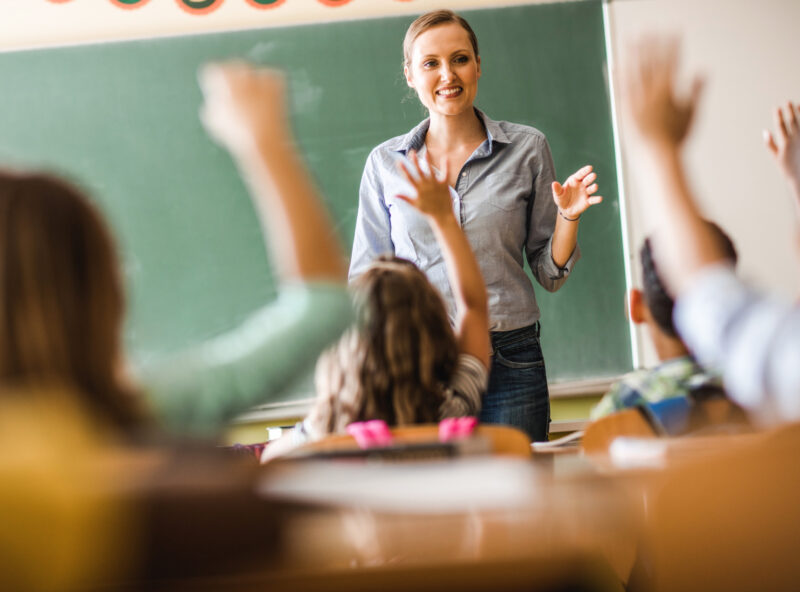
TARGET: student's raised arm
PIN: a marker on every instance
(199, 389)
(432, 198)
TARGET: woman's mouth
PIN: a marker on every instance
(449, 92)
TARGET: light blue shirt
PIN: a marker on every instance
(503, 202)
(199, 389)
(752, 339)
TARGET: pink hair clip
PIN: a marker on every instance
(454, 428)
(370, 434)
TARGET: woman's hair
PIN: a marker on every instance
(434, 19)
(61, 299)
(396, 362)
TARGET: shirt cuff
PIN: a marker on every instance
(549, 266)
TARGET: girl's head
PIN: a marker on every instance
(61, 300)
(441, 62)
(396, 362)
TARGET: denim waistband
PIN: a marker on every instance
(503, 338)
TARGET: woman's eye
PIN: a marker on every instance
(462, 59)
(429, 64)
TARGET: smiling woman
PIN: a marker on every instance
(505, 198)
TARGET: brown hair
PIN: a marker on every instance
(434, 19)
(396, 363)
(61, 299)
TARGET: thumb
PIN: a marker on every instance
(558, 189)
(770, 142)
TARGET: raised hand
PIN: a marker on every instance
(785, 145)
(577, 193)
(432, 195)
(658, 112)
(244, 106)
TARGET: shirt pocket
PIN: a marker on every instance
(506, 193)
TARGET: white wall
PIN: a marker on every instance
(749, 52)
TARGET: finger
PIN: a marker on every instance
(558, 189)
(588, 179)
(595, 199)
(581, 172)
(770, 142)
(445, 170)
(592, 189)
(405, 198)
(793, 125)
(406, 173)
(781, 124)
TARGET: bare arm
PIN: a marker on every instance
(572, 198)
(433, 200)
(245, 111)
(683, 243)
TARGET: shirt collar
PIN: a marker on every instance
(415, 139)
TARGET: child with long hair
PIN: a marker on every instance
(402, 361)
(62, 302)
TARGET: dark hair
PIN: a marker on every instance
(659, 301)
(434, 19)
(61, 299)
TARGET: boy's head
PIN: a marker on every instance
(654, 296)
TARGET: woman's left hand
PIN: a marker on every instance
(577, 193)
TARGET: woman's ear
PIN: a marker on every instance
(478, 61)
(407, 73)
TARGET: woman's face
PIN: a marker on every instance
(444, 70)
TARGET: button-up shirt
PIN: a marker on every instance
(503, 202)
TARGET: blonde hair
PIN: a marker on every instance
(434, 19)
(396, 362)
(61, 299)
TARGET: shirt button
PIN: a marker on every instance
(464, 174)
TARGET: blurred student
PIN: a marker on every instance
(678, 374)
(61, 296)
(402, 362)
(753, 339)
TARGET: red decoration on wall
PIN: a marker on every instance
(334, 2)
(59, 1)
(199, 6)
(129, 4)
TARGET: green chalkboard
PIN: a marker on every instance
(120, 119)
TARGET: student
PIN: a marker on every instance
(508, 202)
(678, 374)
(402, 362)
(61, 297)
(753, 339)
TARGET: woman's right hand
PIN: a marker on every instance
(786, 149)
(432, 194)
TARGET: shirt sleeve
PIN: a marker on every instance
(199, 389)
(469, 382)
(753, 340)
(541, 224)
(373, 234)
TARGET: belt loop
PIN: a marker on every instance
(537, 328)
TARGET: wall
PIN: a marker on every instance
(748, 53)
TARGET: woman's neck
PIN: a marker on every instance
(448, 133)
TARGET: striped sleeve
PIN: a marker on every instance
(469, 382)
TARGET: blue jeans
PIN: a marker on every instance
(517, 394)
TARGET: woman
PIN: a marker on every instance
(61, 298)
(502, 180)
